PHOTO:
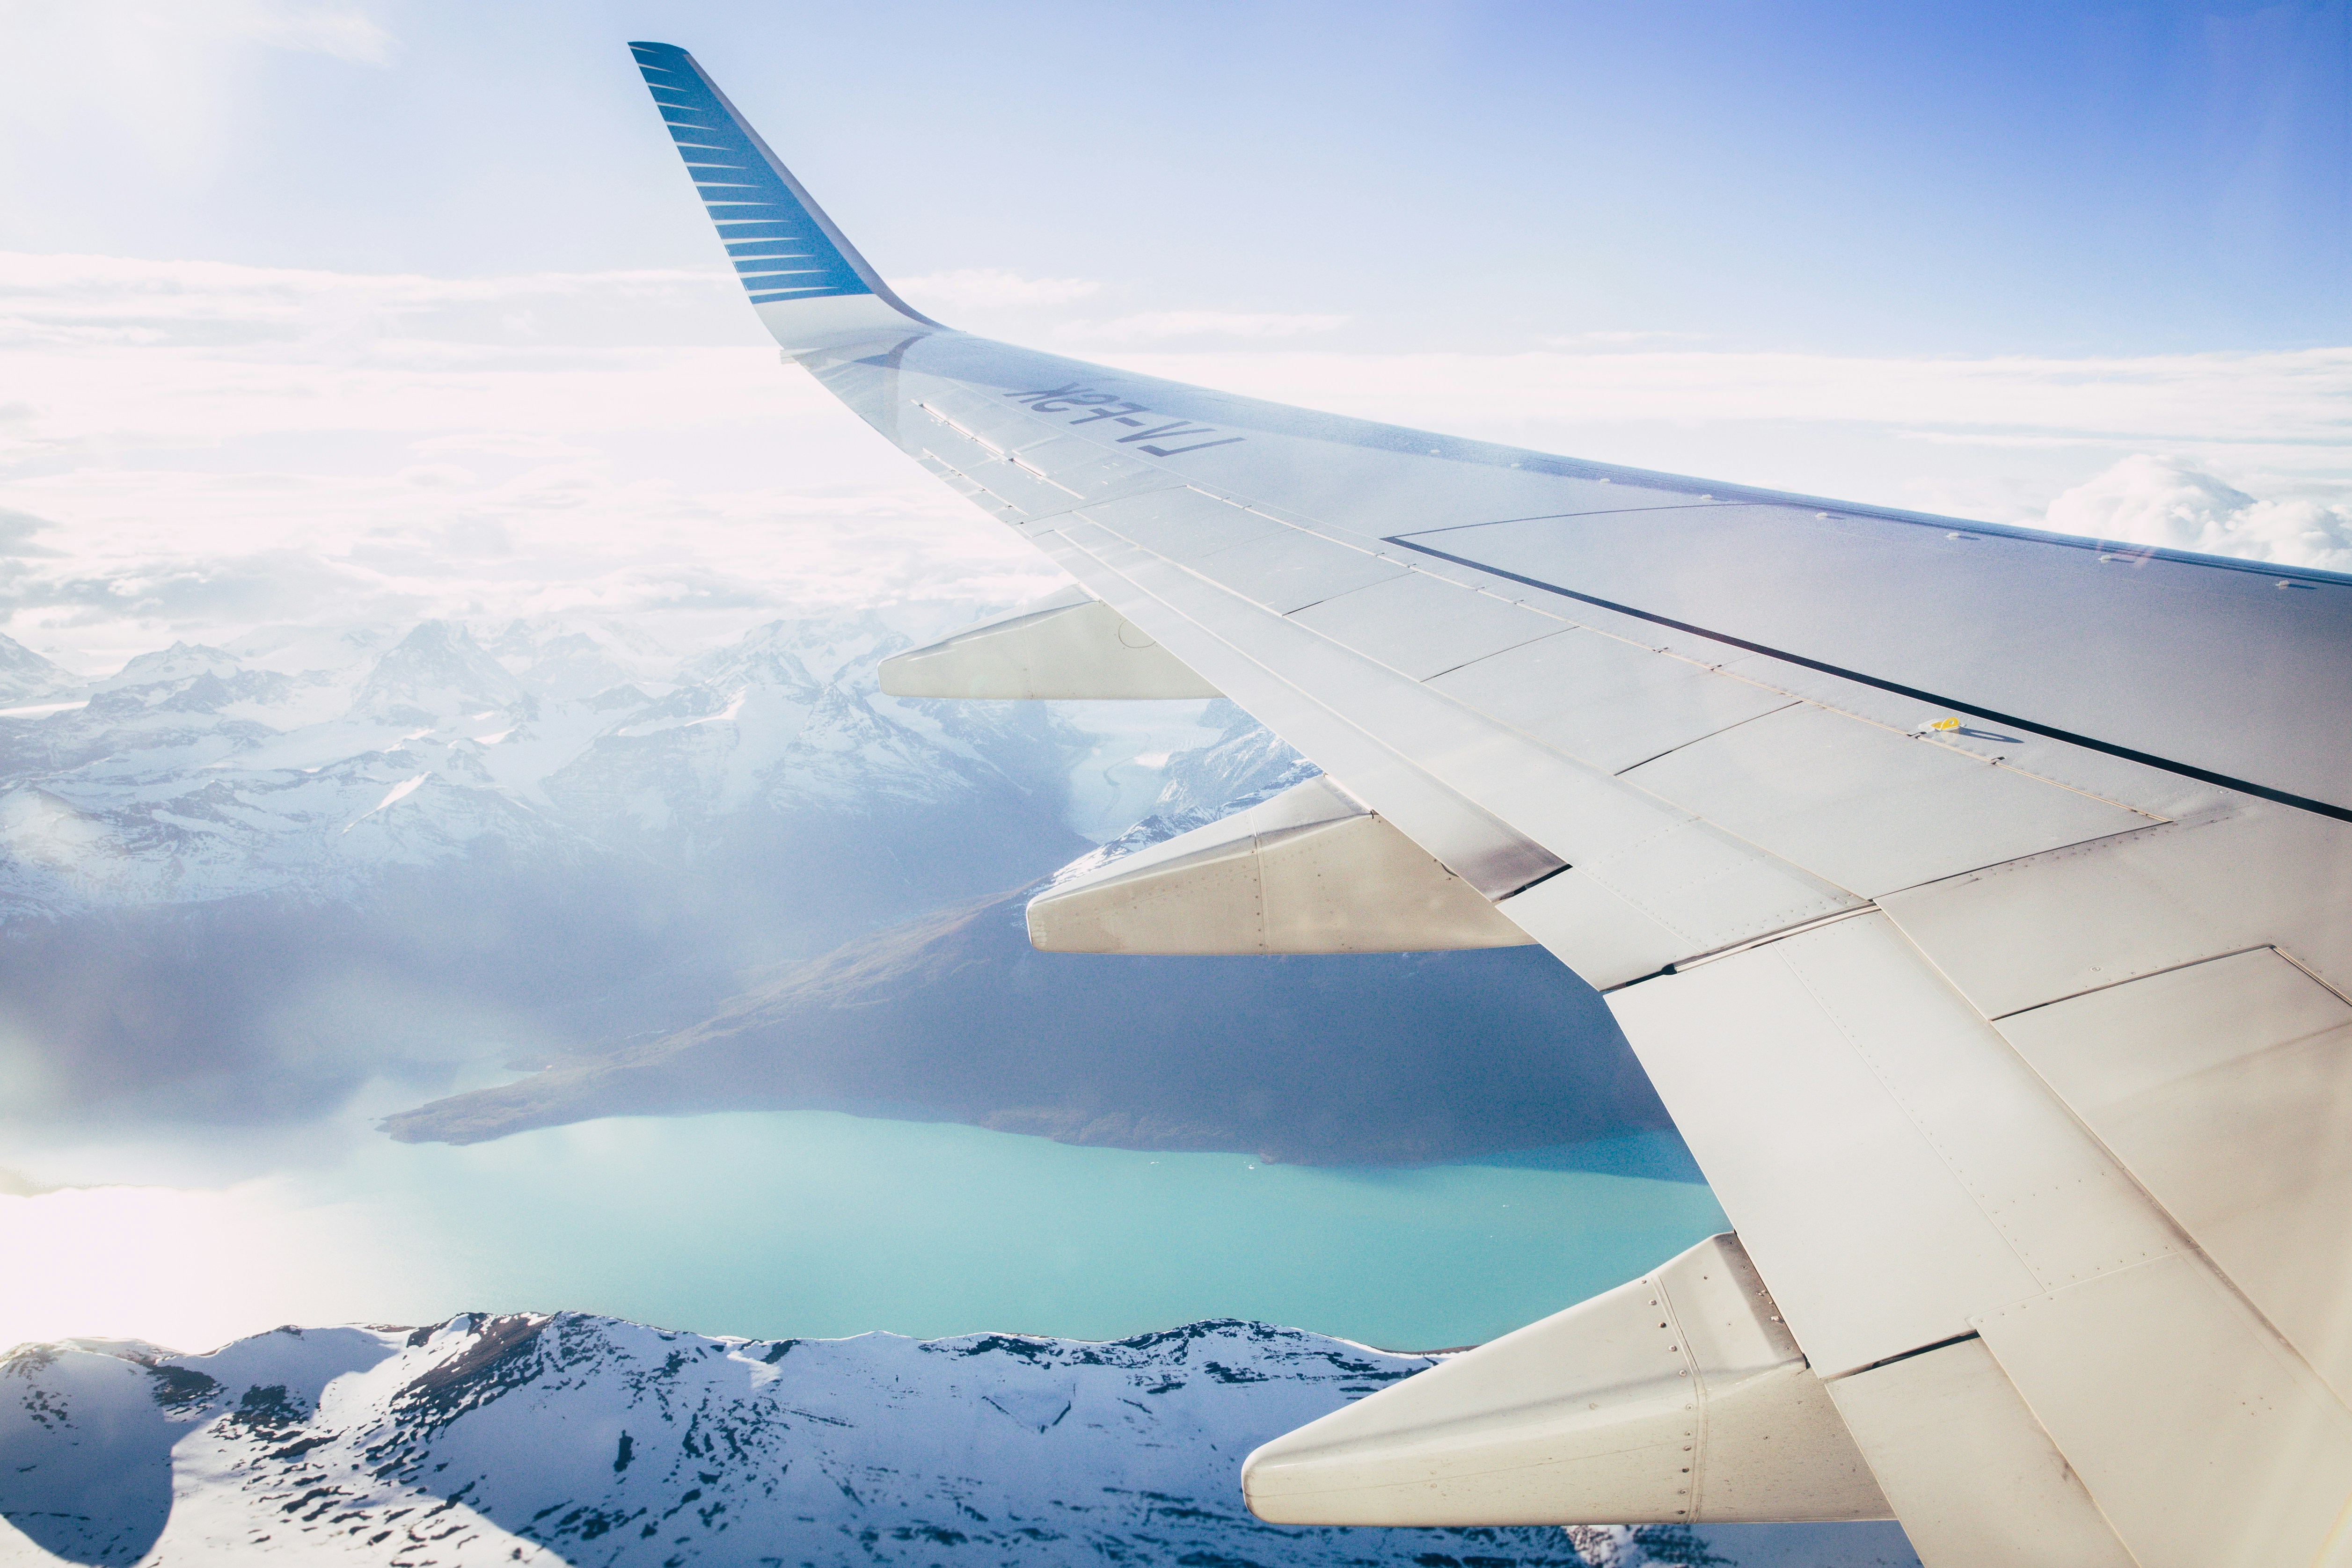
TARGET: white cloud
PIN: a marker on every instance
(2165, 501)
(101, 299)
(1991, 439)
(989, 289)
(192, 449)
(1614, 339)
(435, 476)
(994, 289)
(1150, 326)
(2295, 397)
(280, 445)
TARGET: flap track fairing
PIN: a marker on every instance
(1070, 646)
(1679, 1398)
(1310, 870)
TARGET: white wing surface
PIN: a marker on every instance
(1979, 899)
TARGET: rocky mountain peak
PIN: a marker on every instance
(435, 673)
(809, 653)
(569, 1437)
(27, 677)
(175, 666)
(566, 659)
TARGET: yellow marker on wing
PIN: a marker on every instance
(1947, 721)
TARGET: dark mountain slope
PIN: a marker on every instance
(1359, 1059)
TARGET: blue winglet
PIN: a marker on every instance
(783, 246)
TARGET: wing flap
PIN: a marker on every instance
(1940, 1179)
(2206, 1443)
(2226, 1089)
(1967, 1468)
(1291, 568)
(1704, 889)
(1183, 523)
(2070, 921)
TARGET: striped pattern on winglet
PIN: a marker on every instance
(782, 245)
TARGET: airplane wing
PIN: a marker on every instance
(1979, 901)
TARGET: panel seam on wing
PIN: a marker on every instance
(1902, 1103)
(1680, 818)
(1596, 870)
(1749, 945)
(1646, 898)
(1335, 716)
(2169, 969)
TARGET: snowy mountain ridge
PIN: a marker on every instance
(306, 762)
(579, 1440)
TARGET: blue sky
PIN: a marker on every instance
(393, 307)
(1982, 178)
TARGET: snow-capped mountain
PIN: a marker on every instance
(790, 717)
(199, 773)
(1243, 763)
(26, 678)
(319, 856)
(585, 1440)
(190, 776)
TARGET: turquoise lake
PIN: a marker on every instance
(813, 1223)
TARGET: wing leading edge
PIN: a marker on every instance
(1979, 899)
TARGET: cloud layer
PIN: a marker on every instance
(1156, 326)
(192, 449)
(2241, 401)
(989, 289)
(2165, 501)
